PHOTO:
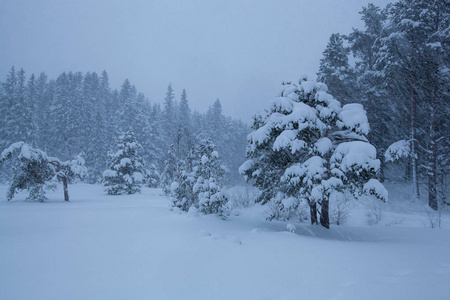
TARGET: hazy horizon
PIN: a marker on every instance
(236, 51)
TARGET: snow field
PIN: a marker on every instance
(134, 247)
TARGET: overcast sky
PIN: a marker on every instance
(237, 51)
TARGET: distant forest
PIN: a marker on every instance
(80, 113)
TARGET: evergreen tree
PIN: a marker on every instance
(125, 174)
(369, 85)
(335, 70)
(152, 176)
(170, 170)
(209, 174)
(181, 189)
(169, 118)
(184, 135)
(33, 169)
(307, 147)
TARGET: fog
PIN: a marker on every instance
(237, 51)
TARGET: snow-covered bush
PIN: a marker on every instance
(291, 228)
(340, 207)
(306, 147)
(125, 174)
(241, 196)
(374, 211)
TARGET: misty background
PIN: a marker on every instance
(237, 51)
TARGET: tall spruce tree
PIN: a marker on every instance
(335, 70)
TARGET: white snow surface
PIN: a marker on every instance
(134, 247)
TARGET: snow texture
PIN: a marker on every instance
(134, 247)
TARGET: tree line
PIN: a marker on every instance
(81, 114)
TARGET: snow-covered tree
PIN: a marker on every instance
(170, 170)
(335, 70)
(152, 176)
(184, 138)
(125, 174)
(368, 89)
(306, 147)
(414, 61)
(33, 169)
(209, 172)
(181, 189)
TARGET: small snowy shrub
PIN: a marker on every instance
(435, 217)
(241, 196)
(340, 207)
(374, 211)
(291, 228)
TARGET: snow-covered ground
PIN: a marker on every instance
(134, 247)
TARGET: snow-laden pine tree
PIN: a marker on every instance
(380, 107)
(184, 139)
(33, 169)
(306, 147)
(170, 170)
(209, 172)
(152, 176)
(169, 119)
(126, 168)
(181, 189)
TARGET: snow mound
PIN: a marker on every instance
(291, 228)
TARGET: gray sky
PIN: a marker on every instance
(238, 51)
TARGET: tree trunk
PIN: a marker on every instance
(415, 182)
(66, 190)
(381, 176)
(432, 168)
(313, 211)
(324, 215)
